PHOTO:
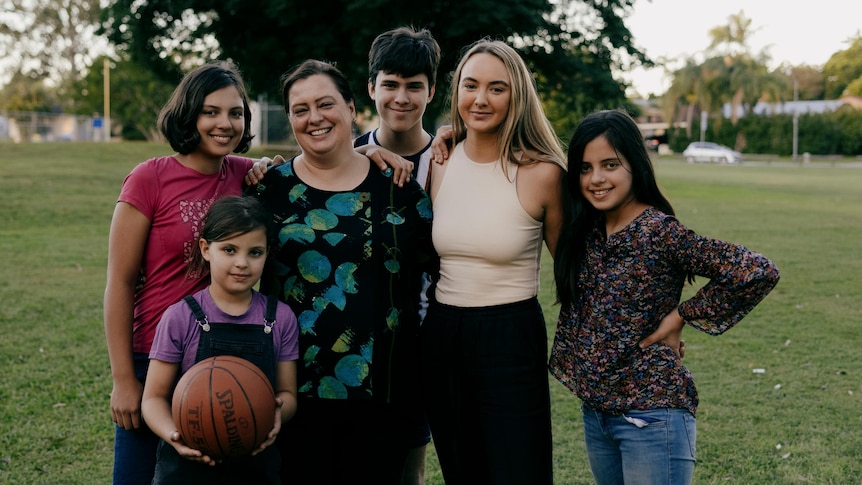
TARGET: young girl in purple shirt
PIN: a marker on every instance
(227, 318)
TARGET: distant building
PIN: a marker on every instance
(796, 107)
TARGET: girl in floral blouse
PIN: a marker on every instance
(620, 267)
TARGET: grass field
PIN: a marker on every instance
(798, 422)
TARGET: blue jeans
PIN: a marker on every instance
(135, 451)
(655, 447)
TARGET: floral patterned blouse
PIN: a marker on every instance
(349, 264)
(628, 283)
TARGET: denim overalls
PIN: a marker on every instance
(252, 342)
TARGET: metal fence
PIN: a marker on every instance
(272, 127)
(28, 126)
(269, 124)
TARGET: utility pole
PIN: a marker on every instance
(106, 123)
(795, 117)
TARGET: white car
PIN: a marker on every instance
(705, 151)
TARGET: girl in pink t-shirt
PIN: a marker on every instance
(156, 223)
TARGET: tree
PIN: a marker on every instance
(855, 87)
(137, 95)
(28, 92)
(732, 37)
(572, 61)
(732, 75)
(809, 83)
(51, 40)
(683, 94)
(843, 68)
(750, 81)
(745, 77)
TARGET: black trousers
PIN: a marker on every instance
(339, 441)
(485, 377)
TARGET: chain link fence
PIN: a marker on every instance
(269, 124)
(271, 127)
(32, 127)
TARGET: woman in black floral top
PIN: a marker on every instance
(349, 259)
(620, 267)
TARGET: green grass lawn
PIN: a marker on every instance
(798, 422)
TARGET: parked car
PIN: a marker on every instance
(705, 151)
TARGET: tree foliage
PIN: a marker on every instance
(854, 88)
(733, 36)
(50, 40)
(137, 95)
(809, 83)
(29, 92)
(829, 133)
(732, 75)
(572, 45)
(842, 69)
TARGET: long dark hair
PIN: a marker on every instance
(228, 217)
(623, 134)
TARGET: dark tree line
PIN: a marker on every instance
(571, 46)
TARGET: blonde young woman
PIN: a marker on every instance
(484, 343)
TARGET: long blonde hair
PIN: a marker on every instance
(526, 136)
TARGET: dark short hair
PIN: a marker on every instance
(406, 52)
(178, 118)
(310, 68)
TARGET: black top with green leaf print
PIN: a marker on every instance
(349, 264)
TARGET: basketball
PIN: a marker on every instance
(223, 406)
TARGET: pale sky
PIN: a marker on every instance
(793, 31)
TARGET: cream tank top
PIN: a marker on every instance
(489, 246)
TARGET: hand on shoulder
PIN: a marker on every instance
(258, 170)
(441, 144)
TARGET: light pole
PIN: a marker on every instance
(106, 123)
(795, 117)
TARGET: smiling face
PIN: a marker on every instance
(220, 123)
(321, 119)
(606, 178)
(484, 92)
(236, 263)
(401, 101)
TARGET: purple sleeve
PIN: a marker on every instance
(171, 332)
